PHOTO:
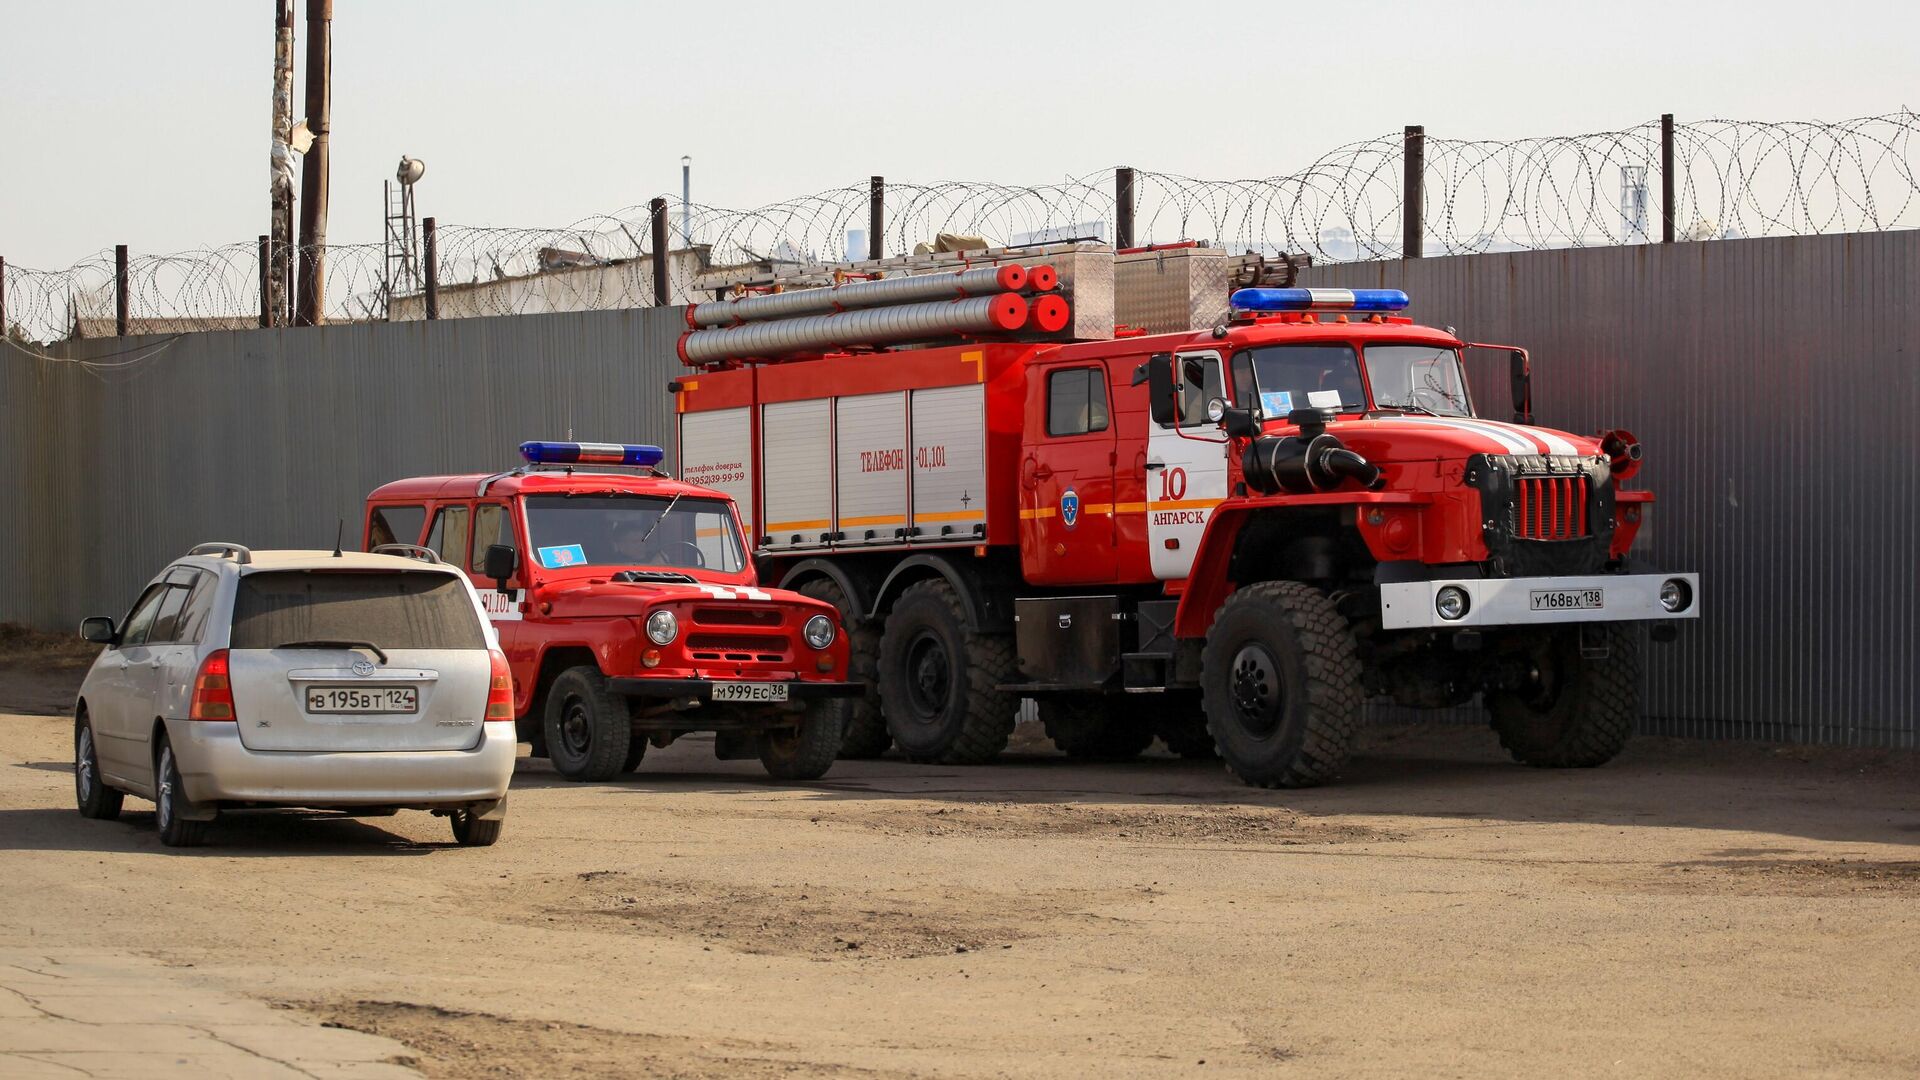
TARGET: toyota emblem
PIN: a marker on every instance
(363, 668)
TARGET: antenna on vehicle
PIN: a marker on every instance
(339, 535)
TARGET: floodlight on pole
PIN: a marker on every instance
(686, 199)
(410, 171)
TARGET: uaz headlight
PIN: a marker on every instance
(662, 627)
(818, 631)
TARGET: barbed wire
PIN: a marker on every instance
(1732, 179)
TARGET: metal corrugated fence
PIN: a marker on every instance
(1773, 385)
(1772, 382)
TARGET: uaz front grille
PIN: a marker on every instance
(1551, 508)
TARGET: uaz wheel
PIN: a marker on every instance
(589, 728)
(1280, 681)
(807, 750)
(866, 730)
(939, 679)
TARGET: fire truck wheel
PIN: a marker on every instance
(1184, 730)
(1095, 728)
(1580, 713)
(807, 751)
(939, 680)
(589, 728)
(866, 730)
(1280, 682)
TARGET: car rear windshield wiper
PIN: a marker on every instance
(335, 643)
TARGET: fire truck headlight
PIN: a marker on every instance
(1676, 595)
(1216, 410)
(1452, 603)
(662, 627)
(819, 631)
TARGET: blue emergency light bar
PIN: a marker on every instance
(1318, 300)
(592, 453)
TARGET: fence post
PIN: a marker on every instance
(121, 307)
(876, 217)
(266, 281)
(432, 257)
(3, 298)
(1666, 178)
(1413, 193)
(1123, 199)
(661, 296)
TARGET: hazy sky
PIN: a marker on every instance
(148, 123)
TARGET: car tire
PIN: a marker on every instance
(940, 680)
(470, 830)
(1095, 728)
(168, 793)
(807, 750)
(866, 729)
(589, 728)
(1280, 682)
(95, 799)
(1582, 714)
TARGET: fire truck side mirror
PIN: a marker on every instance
(499, 564)
(1239, 424)
(1160, 393)
(1522, 373)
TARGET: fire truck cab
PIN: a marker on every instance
(629, 610)
(1230, 539)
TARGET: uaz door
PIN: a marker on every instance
(1066, 477)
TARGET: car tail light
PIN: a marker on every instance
(500, 689)
(212, 689)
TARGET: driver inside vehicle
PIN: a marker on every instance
(632, 544)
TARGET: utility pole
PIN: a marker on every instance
(686, 201)
(313, 172)
(277, 273)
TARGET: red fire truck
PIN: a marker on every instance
(1229, 538)
(629, 610)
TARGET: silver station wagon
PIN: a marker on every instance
(364, 682)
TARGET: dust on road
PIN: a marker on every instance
(1694, 909)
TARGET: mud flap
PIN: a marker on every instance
(489, 811)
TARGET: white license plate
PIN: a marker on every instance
(1568, 599)
(749, 691)
(363, 699)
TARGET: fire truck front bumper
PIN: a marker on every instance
(741, 692)
(1470, 602)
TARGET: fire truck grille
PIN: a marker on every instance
(1551, 508)
(736, 616)
(747, 648)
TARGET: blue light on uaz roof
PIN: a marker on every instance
(591, 453)
(1319, 300)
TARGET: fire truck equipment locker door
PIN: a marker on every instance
(797, 439)
(716, 452)
(1066, 477)
(949, 463)
(1186, 472)
(871, 468)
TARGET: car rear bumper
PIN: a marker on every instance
(702, 689)
(1522, 601)
(215, 767)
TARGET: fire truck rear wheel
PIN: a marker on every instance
(1097, 728)
(1280, 682)
(866, 730)
(807, 751)
(589, 727)
(1181, 725)
(939, 679)
(1581, 712)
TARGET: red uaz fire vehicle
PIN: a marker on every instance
(1229, 538)
(629, 610)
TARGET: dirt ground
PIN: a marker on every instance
(1694, 909)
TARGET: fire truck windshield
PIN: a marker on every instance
(1274, 380)
(634, 531)
(1418, 378)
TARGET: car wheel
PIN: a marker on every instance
(807, 751)
(168, 794)
(589, 727)
(94, 797)
(470, 830)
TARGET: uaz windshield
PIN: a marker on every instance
(634, 531)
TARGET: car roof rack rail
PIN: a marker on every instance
(238, 552)
(411, 551)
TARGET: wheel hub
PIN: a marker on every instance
(930, 676)
(576, 727)
(1255, 684)
(84, 774)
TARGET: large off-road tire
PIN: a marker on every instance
(472, 831)
(1580, 713)
(1181, 725)
(1280, 682)
(807, 751)
(866, 729)
(1103, 728)
(939, 679)
(589, 727)
(90, 793)
(168, 794)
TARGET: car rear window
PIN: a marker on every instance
(394, 609)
